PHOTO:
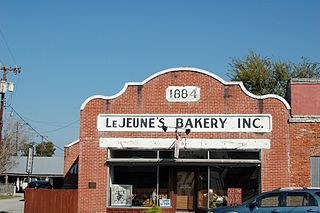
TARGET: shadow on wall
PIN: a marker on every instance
(71, 178)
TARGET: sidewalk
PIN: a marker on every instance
(14, 205)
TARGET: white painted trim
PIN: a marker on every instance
(185, 69)
(72, 143)
(181, 160)
(190, 143)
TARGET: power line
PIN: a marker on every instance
(61, 127)
(6, 43)
(26, 123)
(55, 124)
(11, 55)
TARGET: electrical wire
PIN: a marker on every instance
(61, 127)
(12, 57)
(8, 48)
(31, 127)
(56, 124)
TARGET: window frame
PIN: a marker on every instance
(295, 193)
(268, 195)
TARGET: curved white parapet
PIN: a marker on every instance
(191, 69)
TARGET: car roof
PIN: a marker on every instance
(297, 189)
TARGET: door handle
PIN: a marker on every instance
(312, 210)
(275, 211)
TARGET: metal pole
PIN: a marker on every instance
(157, 198)
(17, 138)
(4, 78)
(208, 187)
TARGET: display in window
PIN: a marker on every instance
(143, 197)
(121, 195)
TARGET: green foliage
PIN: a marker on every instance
(25, 148)
(45, 149)
(260, 75)
(154, 209)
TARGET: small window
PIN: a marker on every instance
(270, 200)
(195, 154)
(300, 199)
(133, 154)
(226, 154)
(166, 154)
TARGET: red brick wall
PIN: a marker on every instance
(70, 155)
(305, 97)
(305, 143)
(216, 98)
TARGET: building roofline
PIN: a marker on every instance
(305, 81)
(192, 69)
(72, 143)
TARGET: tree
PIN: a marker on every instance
(45, 149)
(15, 136)
(7, 150)
(25, 148)
(260, 75)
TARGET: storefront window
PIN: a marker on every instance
(203, 187)
(142, 181)
(232, 185)
(165, 182)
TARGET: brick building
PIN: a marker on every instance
(185, 140)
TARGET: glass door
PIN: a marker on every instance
(185, 191)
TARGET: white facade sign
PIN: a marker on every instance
(196, 123)
(182, 93)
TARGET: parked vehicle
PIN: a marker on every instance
(279, 200)
(40, 184)
(24, 183)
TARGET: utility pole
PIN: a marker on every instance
(17, 137)
(3, 90)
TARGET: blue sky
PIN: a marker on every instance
(71, 50)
